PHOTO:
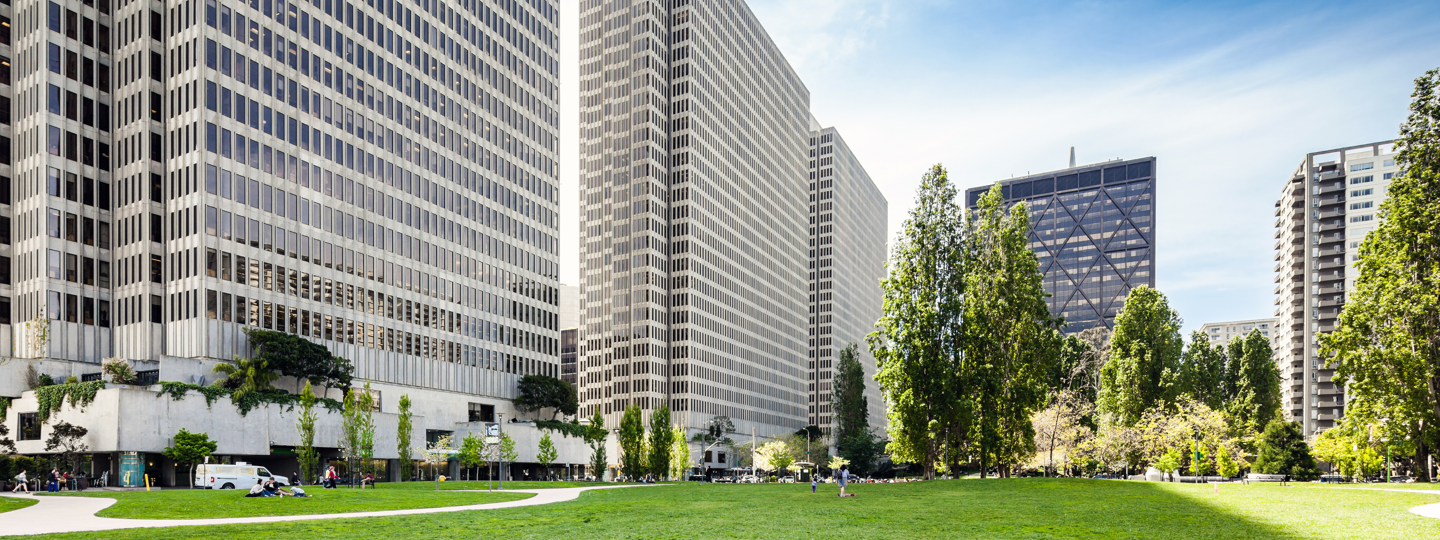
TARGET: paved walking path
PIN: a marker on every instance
(53, 515)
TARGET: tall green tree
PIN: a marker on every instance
(1144, 366)
(660, 442)
(632, 442)
(404, 431)
(1386, 345)
(358, 428)
(916, 343)
(595, 435)
(1010, 341)
(305, 452)
(189, 449)
(545, 453)
(472, 452)
(1256, 380)
(1203, 374)
(853, 438)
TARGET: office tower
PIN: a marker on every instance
(1220, 333)
(1092, 227)
(379, 177)
(61, 131)
(1326, 208)
(694, 133)
(847, 252)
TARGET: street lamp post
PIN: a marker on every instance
(500, 421)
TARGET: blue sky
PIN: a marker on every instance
(1229, 96)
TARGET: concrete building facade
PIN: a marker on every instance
(699, 223)
(1221, 333)
(378, 177)
(1092, 228)
(1326, 208)
(847, 251)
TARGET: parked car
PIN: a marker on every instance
(238, 476)
(787, 479)
(749, 479)
(697, 478)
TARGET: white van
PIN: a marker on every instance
(238, 476)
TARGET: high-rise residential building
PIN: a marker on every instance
(695, 226)
(1221, 333)
(379, 177)
(1093, 229)
(1326, 208)
(847, 235)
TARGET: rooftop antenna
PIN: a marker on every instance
(1072, 157)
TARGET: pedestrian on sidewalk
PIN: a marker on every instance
(52, 483)
(21, 483)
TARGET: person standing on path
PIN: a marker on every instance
(52, 485)
(21, 483)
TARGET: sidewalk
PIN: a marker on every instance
(54, 515)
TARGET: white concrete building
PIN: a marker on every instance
(1220, 333)
(378, 177)
(847, 252)
(698, 222)
(1326, 208)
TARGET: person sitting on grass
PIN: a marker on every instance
(297, 492)
(257, 490)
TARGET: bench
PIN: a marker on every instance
(1254, 477)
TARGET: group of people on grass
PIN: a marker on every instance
(268, 488)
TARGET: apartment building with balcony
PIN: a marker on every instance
(1326, 208)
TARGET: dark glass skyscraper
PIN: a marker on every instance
(1092, 228)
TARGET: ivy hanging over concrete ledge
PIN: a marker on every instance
(51, 397)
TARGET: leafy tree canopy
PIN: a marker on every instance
(1386, 345)
(1282, 450)
(295, 356)
(538, 392)
(1143, 369)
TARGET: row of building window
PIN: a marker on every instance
(75, 309)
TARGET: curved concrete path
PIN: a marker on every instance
(53, 515)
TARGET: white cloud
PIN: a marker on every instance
(816, 35)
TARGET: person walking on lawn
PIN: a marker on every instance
(843, 477)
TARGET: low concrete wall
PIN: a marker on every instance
(128, 418)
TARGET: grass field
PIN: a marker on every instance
(1019, 508)
(482, 484)
(10, 503)
(199, 503)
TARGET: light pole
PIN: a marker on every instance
(500, 421)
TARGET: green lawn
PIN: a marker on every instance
(201, 503)
(1019, 508)
(481, 484)
(11, 503)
